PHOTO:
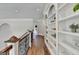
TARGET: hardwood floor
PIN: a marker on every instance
(38, 46)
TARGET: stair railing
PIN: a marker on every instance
(6, 50)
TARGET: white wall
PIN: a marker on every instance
(42, 27)
(16, 27)
(5, 33)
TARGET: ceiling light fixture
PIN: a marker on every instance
(16, 11)
(37, 9)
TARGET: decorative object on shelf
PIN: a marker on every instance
(52, 21)
(54, 17)
(46, 32)
(54, 35)
(74, 27)
(47, 41)
(46, 27)
(54, 28)
(46, 16)
(76, 7)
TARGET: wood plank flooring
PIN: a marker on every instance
(38, 46)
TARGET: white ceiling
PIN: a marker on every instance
(21, 10)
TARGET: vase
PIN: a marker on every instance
(77, 30)
(73, 30)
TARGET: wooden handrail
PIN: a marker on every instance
(24, 35)
(6, 50)
(13, 39)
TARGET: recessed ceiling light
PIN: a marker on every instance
(16, 11)
(37, 9)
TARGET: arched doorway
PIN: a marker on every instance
(5, 33)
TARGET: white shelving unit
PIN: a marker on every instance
(69, 48)
(51, 43)
(50, 36)
(67, 38)
(69, 33)
(68, 17)
(58, 19)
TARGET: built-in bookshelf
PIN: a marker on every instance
(50, 36)
(58, 19)
(68, 40)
